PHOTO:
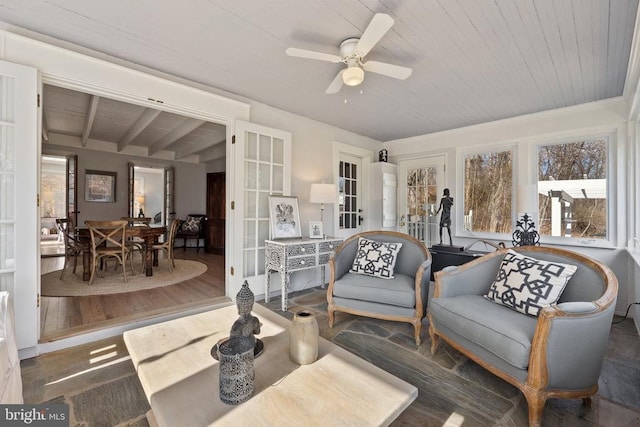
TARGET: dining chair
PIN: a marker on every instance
(136, 243)
(108, 239)
(72, 245)
(167, 246)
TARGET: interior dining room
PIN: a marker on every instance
(122, 186)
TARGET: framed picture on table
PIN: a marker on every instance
(315, 230)
(284, 216)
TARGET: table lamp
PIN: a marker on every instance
(323, 193)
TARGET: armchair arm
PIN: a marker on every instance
(569, 345)
(339, 266)
(472, 278)
(423, 276)
(571, 339)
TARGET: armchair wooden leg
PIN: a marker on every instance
(587, 401)
(417, 327)
(535, 402)
(435, 339)
(331, 313)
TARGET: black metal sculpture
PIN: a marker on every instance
(525, 233)
(445, 219)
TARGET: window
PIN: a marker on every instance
(488, 183)
(572, 189)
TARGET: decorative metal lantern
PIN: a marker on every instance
(525, 233)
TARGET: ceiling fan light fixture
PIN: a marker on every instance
(353, 76)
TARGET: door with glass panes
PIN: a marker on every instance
(262, 167)
(19, 228)
(421, 183)
(350, 213)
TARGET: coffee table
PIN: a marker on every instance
(180, 378)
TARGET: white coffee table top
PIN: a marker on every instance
(180, 378)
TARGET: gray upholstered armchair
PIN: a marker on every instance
(402, 298)
(557, 354)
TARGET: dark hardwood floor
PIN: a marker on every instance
(61, 317)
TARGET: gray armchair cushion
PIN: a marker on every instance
(504, 332)
(400, 291)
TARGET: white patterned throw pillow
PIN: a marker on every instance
(376, 259)
(527, 284)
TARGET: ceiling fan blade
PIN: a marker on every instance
(336, 84)
(310, 54)
(395, 71)
(378, 27)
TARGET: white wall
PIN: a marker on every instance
(525, 132)
(312, 145)
(312, 157)
(190, 182)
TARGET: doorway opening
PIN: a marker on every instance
(53, 190)
(108, 134)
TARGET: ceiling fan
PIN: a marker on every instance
(352, 53)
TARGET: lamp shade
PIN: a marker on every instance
(323, 193)
(353, 76)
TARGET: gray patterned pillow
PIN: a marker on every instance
(375, 258)
(527, 284)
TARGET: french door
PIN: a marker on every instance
(261, 159)
(350, 196)
(421, 183)
(19, 154)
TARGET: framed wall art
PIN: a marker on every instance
(100, 186)
(284, 217)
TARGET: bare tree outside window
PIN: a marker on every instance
(572, 189)
(488, 181)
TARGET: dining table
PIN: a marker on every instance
(149, 233)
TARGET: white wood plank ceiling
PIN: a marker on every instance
(73, 118)
(473, 61)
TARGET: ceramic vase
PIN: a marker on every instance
(303, 338)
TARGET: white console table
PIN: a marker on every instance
(287, 256)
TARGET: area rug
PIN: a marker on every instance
(112, 283)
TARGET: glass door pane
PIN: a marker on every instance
(419, 197)
(348, 195)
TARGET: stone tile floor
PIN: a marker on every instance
(456, 391)
(100, 385)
